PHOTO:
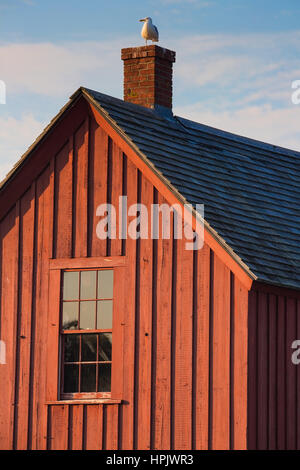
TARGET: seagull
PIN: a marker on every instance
(149, 31)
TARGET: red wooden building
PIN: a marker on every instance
(124, 343)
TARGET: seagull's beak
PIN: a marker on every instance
(143, 19)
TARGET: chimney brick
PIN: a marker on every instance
(148, 73)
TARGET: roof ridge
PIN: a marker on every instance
(239, 138)
(200, 126)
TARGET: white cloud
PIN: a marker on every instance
(16, 135)
(58, 69)
(247, 64)
(240, 83)
(275, 126)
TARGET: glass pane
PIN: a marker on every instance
(70, 315)
(104, 379)
(104, 314)
(71, 378)
(88, 285)
(71, 348)
(88, 348)
(105, 342)
(88, 378)
(87, 315)
(71, 286)
(105, 284)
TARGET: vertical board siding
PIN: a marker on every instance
(183, 348)
(291, 394)
(297, 417)
(239, 368)
(221, 357)
(183, 377)
(76, 430)
(116, 191)
(8, 324)
(161, 380)
(144, 337)
(80, 191)
(93, 430)
(127, 410)
(281, 374)
(97, 184)
(262, 371)
(58, 438)
(63, 201)
(38, 360)
(201, 350)
(252, 365)
(27, 215)
(272, 376)
(273, 411)
(111, 441)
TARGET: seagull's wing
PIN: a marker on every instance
(156, 30)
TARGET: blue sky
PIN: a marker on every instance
(236, 60)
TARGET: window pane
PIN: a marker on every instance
(105, 314)
(70, 315)
(87, 315)
(105, 284)
(88, 348)
(71, 286)
(71, 348)
(71, 378)
(88, 285)
(104, 379)
(88, 378)
(105, 341)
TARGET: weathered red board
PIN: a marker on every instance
(182, 358)
(273, 414)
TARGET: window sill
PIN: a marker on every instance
(98, 401)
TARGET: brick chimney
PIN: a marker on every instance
(148, 76)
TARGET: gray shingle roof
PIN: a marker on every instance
(251, 190)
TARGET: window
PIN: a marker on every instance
(86, 333)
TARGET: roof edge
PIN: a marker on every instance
(81, 91)
(39, 139)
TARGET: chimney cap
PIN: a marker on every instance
(148, 51)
